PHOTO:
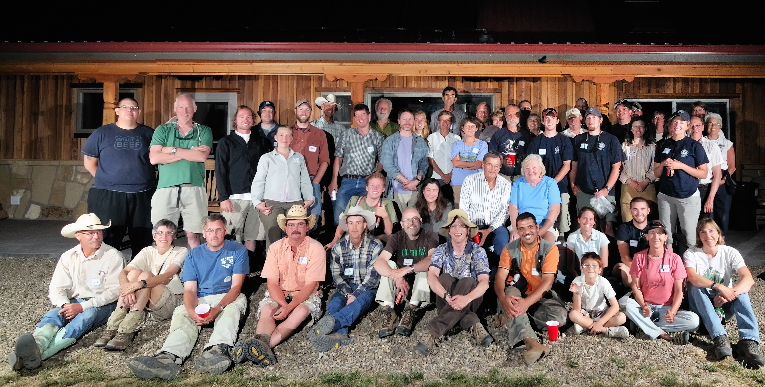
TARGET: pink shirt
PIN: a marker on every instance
(293, 270)
(657, 276)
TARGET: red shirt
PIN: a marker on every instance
(312, 144)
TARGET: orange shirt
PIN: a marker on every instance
(293, 270)
(529, 265)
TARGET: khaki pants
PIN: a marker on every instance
(273, 232)
(405, 200)
(386, 291)
(546, 309)
(245, 222)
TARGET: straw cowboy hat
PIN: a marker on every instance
(453, 214)
(358, 211)
(83, 223)
(295, 212)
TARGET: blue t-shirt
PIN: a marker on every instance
(468, 153)
(213, 270)
(505, 142)
(595, 155)
(404, 155)
(537, 199)
(688, 151)
(554, 151)
(123, 158)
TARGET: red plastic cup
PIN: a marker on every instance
(511, 157)
(552, 330)
(477, 238)
(203, 310)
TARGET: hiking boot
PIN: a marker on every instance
(111, 327)
(26, 354)
(120, 342)
(325, 325)
(163, 365)
(126, 331)
(256, 350)
(721, 346)
(389, 322)
(215, 359)
(680, 338)
(324, 343)
(750, 350)
(480, 336)
(619, 332)
(535, 351)
(428, 344)
(404, 327)
(105, 337)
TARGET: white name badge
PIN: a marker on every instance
(665, 151)
(584, 145)
(95, 282)
(633, 243)
(542, 152)
(535, 272)
(371, 149)
(348, 271)
(475, 150)
(312, 148)
(521, 143)
(408, 262)
(303, 260)
(663, 268)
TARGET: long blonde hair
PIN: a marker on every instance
(426, 129)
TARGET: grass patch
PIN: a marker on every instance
(405, 379)
(619, 363)
(571, 363)
(672, 380)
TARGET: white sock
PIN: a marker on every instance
(387, 303)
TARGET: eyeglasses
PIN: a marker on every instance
(199, 136)
(168, 233)
(714, 124)
(458, 226)
(92, 233)
(411, 220)
(131, 108)
(590, 266)
(215, 230)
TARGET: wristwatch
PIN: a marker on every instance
(144, 284)
(446, 295)
(221, 307)
(173, 150)
(713, 286)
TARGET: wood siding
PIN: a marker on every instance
(36, 111)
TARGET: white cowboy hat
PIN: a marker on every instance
(84, 222)
(322, 100)
(295, 212)
(358, 211)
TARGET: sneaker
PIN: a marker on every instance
(26, 354)
(480, 336)
(575, 330)
(163, 365)
(389, 322)
(214, 360)
(428, 344)
(619, 332)
(680, 338)
(120, 342)
(750, 350)
(721, 346)
(325, 343)
(325, 325)
(404, 327)
(105, 337)
(257, 350)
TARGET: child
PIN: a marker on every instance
(590, 310)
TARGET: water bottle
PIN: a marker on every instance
(720, 313)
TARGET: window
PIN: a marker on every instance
(89, 105)
(344, 107)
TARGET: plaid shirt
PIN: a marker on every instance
(360, 153)
(354, 265)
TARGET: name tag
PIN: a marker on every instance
(665, 151)
(584, 145)
(475, 150)
(371, 149)
(633, 243)
(303, 260)
(542, 152)
(275, 144)
(348, 271)
(95, 282)
(521, 143)
(312, 148)
(408, 262)
(535, 272)
(663, 268)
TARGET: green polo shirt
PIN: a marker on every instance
(390, 128)
(181, 171)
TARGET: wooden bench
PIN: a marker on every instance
(213, 204)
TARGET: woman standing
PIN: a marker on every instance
(467, 156)
(723, 198)
(637, 174)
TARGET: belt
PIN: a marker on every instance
(354, 177)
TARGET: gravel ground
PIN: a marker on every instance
(574, 360)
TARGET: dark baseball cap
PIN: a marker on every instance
(655, 224)
(682, 114)
(594, 111)
(624, 103)
(266, 104)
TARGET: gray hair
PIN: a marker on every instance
(167, 223)
(530, 158)
(214, 217)
(716, 116)
(185, 95)
(386, 100)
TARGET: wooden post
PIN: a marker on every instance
(111, 95)
(357, 82)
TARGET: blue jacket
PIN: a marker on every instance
(389, 158)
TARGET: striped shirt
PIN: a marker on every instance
(352, 265)
(334, 129)
(360, 153)
(638, 162)
(485, 206)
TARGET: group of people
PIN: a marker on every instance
(419, 217)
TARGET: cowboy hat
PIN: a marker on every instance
(84, 222)
(453, 214)
(295, 212)
(358, 211)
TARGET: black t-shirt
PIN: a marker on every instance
(688, 151)
(633, 236)
(407, 252)
(554, 151)
(620, 131)
(595, 155)
(505, 142)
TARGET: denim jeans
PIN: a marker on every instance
(82, 323)
(348, 189)
(700, 301)
(655, 324)
(346, 315)
(501, 239)
(316, 206)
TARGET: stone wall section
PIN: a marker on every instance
(47, 189)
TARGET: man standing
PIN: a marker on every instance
(449, 96)
(595, 168)
(440, 149)
(405, 160)
(383, 107)
(357, 156)
(484, 198)
(295, 265)
(236, 161)
(482, 112)
(623, 110)
(510, 143)
(527, 269)
(574, 119)
(180, 147)
(117, 155)
(355, 279)
(459, 276)
(403, 268)
(630, 238)
(709, 185)
(556, 152)
(311, 142)
(524, 114)
(699, 109)
(327, 122)
(213, 274)
(83, 291)
(267, 126)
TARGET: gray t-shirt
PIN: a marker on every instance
(404, 157)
